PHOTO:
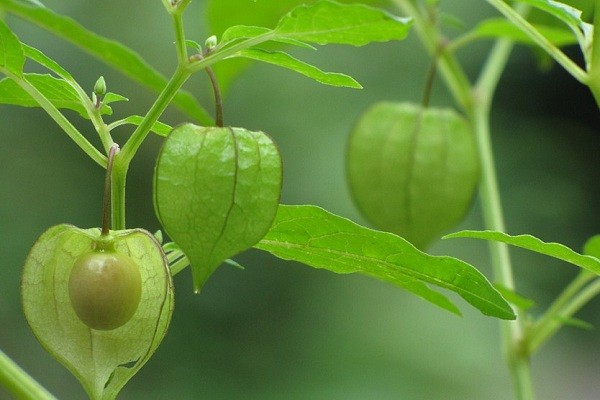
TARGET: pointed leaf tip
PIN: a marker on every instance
(532, 243)
(317, 238)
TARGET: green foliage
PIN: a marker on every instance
(325, 22)
(102, 360)
(45, 61)
(11, 52)
(571, 17)
(412, 170)
(567, 15)
(111, 52)
(330, 22)
(285, 60)
(60, 93)
(158, 127)
(216, 192)
(529, 242)
(514, 298)
(549, 25)
(499, 27)
(223, 15)
(313, 236)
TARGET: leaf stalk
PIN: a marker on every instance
(60, 120)
(564, 306)
(180, 76)
(449, 67)
(561, 58)
(218, 98)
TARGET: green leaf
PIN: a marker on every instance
(498, 27)
(235, 33)
(216, 192)
(159, 128)
(529, 242)
(575, 323)
(315, 237)
(194, 45)
(111, 52)
(352, 24)
(223, 15)
(42, 59)
(103, 361)
(564, 12)
(12, 59)
(111, 97)
(514, 298)
(238, 32)
(569, 16)
(287, 61)
(234, 19)
(58, 91)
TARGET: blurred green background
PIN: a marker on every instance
(279, 330)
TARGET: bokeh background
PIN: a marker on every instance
(280, 330)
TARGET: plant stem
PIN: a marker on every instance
(106, 201)
(515, 17)
(179, 265)
(95, 114)
(490, 194)
(430, 78)
(520, 372)
(513, 335)
(490, 198)
(181, 46)
(177, 80)
(61, 120)
(122, 160)
(19, 383)
(549, 323)
(218, 99)
(117, 192)
(229, 50)
(452, 72)
(477, 104)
